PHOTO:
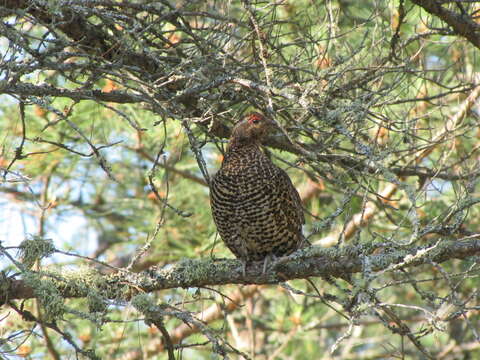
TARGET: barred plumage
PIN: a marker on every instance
(255, 206)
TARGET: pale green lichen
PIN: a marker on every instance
(225, 266)
(76, 282)
(84, 282)
(315, 251)
(142, 303)
(34, 249)
(193, 270)
(87, 280)
(96, 302)
(48, 295)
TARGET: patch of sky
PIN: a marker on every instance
(437, 188)
(434, 62)
(210, 154)
(6, 101)
(70, 231)
(65, 225)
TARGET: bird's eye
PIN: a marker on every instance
(255, 120)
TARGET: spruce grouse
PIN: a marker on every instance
(255, 206)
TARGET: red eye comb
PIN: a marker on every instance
(254, 118)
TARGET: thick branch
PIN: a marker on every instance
(461, 24)
(310, 262)
(116, 96)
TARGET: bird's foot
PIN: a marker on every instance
(268, 263)
(244, 267)
(270, 258)
(278, 261)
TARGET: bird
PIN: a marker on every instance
(255, 206)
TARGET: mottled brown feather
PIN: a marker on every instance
(255, 206)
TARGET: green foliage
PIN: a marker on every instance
(121, 97)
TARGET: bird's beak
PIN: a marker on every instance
(272, 124)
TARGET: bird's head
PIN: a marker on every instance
(253, 128)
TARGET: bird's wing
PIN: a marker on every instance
(290, 204)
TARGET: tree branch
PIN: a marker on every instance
(462, 25)
(88, 36)
(24, 89)
(310, 262)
